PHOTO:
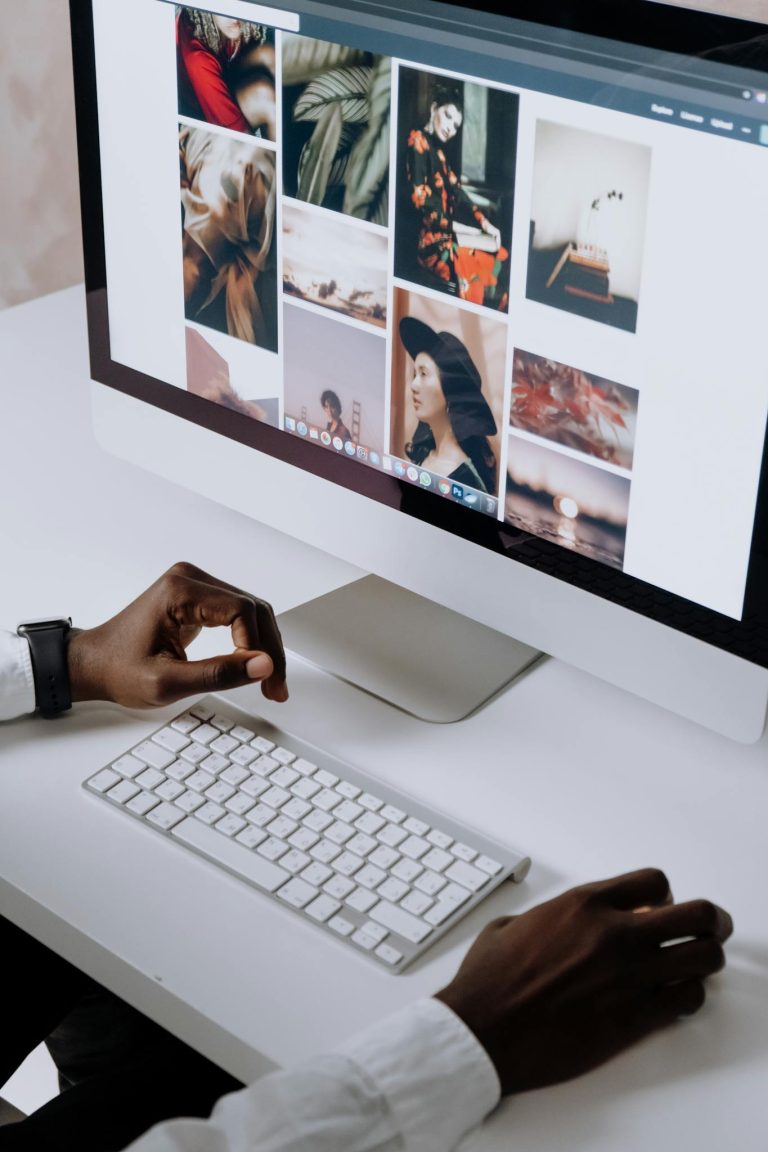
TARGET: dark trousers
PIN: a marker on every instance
(120, 1073)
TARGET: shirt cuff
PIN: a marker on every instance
(437, 1078)
(17, 684)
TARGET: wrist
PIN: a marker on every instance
(82, 681)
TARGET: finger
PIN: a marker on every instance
(676, 1000)
(693, 918)
(198, 603)
(175, 679)
(688, 960)
(647, 887)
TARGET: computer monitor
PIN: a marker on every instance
(471, 297)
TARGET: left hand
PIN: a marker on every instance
(138, 658)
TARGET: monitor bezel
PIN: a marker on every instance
(656, 26)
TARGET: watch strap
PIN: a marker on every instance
(48, 649)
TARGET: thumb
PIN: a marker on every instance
(216, 673)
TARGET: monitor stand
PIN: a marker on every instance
(416, 655)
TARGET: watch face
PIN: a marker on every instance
(44, 624)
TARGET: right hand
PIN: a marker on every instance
(562, 988)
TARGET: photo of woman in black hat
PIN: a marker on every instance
(454, 420)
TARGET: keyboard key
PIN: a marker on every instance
(317, 821)
(261, 744)
(209, 813)
(372, 803)
(273, 849)
(232, 855)
(284, 777)
(347, 863)
(416, 902)
(439, 839)
(230, 824)
(171, 740)
(349, 791)
(305, 789)
(347, 811)
(466, 875)
(327, 800)
(185, 723)
(325, 852)
(314, 873)
(369, 823)
(392, 814)
(143, 803)
(189, 802)
(339, 833)
(251, 836)
(340, 925)
(305, 767)
(201, 712)
(486, 864)
(104, 780)
(254, 786)
(361, 899)
(437, 859)
(243, 755)
(205, 734)
(199, 781)
(124, 791)
(194, 753)
(361, 844)
(165, 816)
(417, 827)
(389, 954)
(294, 861)
(414, 847)
(168, 790)
(463, 851)
(234, 775)
(322, 908)
(128, 766)
(214, 763)
(283, 755)
(282, 827)
(339, 887)
(374, 930)
(241, 734)
(391, 835)
(430, 882)
(297, 893)
(397, 920)
(179, 770)
(150, 778)
(384, 857)
(393, 890)
(224, 744)
(153, 755)
(264, 765)
(370, 876)
(219, 792)
(261, 814)
(407, 870)
(303, 839)
(240, 803)
(364, 940)
(223, 723)
(327, 779)
(275, 797)
(295, 809)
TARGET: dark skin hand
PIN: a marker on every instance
(559, 990)
(138, 658)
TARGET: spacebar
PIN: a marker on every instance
(255, 869)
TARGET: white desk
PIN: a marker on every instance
(587, 779)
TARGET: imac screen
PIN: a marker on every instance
(512, 269)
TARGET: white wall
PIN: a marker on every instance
(39, 227)
(40, 248)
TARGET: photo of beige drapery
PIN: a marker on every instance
(228, 196)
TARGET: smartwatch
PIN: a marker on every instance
(48, 649)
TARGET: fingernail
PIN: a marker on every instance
(259, 667)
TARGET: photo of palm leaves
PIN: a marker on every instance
(336, 122)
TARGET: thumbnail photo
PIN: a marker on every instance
(334, 264)
(228, 202)
(588, 220)
(233, 374)
(587, 413)
(334, 381)
(456, 156)
(577, 505)
(336, 115)
(226, 72)
(448, 367)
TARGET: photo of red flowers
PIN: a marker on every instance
(567, 406)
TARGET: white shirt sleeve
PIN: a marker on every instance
(417, 1082)
(17, 685)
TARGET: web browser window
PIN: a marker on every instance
(517, 268)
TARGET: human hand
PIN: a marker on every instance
(570, 983)
(138, 658)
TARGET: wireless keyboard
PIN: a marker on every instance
(356, 858)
